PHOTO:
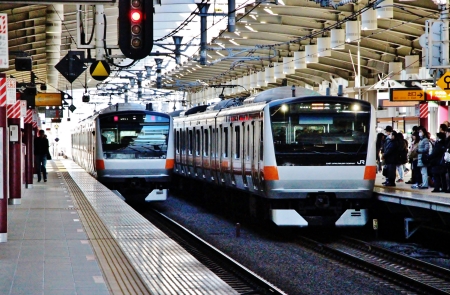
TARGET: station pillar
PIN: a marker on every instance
(28, 140)
(3, 162)
(15, 162)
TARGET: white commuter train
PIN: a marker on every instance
(307, 160)
(127, 147)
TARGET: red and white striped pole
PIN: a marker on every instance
(423, 114)
(3, 162)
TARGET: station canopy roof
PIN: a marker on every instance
(265, 33)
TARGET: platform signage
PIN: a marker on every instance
(407, 94)
(437, 95)
(4, 51)
(58, 1)
(444, 82)
(100, 70)
(48, 99)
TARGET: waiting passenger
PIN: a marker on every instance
(403, 155)
(437, 166)
(390, 156)
(413, 156)
(379, 145)
(422, 162)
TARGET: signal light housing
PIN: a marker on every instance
(135, 28)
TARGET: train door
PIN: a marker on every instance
(257, 154)
(247, 148)
(235, 152)
(207, 153)
(190, 151)
(216, 151)
(224, 152)
(198, 151)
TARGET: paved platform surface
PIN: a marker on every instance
(71, 235)
(48, 251)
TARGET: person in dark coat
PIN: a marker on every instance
(41, 151)
(379, 144)
(390, 156)
(437, 166)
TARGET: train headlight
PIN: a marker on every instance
(356, 107)
(284, 108)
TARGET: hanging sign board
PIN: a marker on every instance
(57, 2)
(48, 99)
(406, 94)
(53, 113)
(444, 82)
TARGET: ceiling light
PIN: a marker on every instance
(250, 28)
(252, 16)
(234, 42)
(269, 11)
(219, 53)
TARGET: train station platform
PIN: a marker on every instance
(71, 235)
(421, 206)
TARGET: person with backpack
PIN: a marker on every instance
(437, 164)
(402, 155)
(416, 177)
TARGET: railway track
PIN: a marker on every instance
(406, 272)
(240, 278)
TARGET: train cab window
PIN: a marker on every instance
(190, 142)
(206, 143)
(134, 136)
(321, 133)
(198, 146)
(237, 140)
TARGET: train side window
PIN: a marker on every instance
(206, 142)
(190, 142)
(198, 142)
(177, 143)
(237, 134)
(247, 138)
(212, 131)
(183, 142)
(225, 146)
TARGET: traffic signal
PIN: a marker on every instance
(135, 28)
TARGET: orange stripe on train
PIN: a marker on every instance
(370, 172)
(100, 164)
(271, 173)
(170, 163)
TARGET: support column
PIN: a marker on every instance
(53, 31)
(15, 162)
(28, 140)
(3, 163)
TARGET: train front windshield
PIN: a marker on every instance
(134, 136)
(320, 133)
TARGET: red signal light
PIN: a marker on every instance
(136, 16)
